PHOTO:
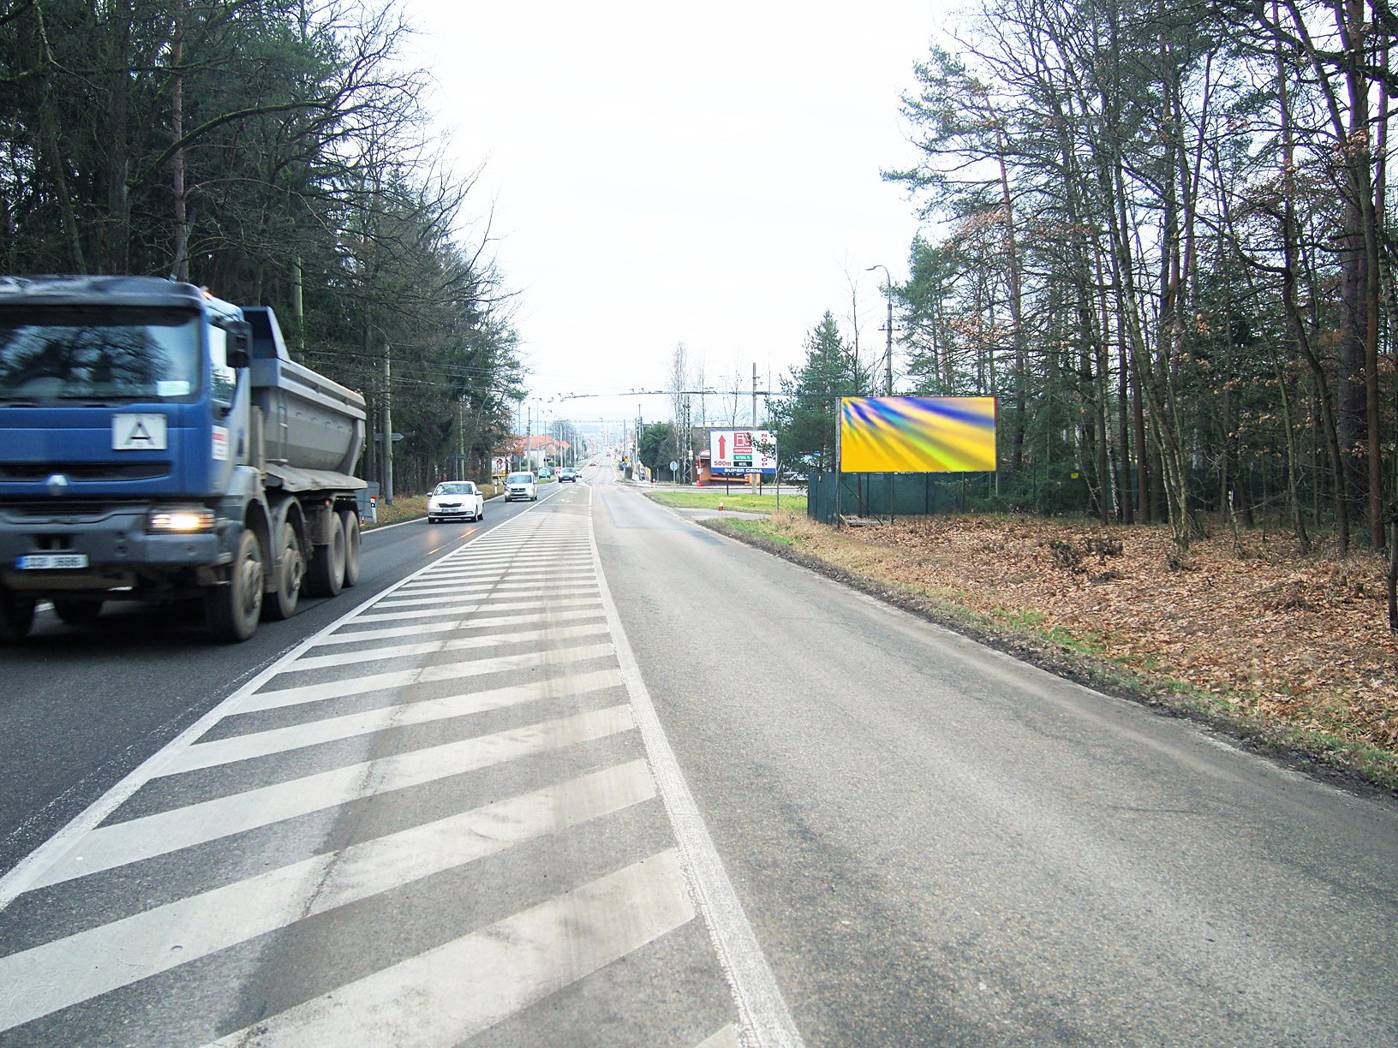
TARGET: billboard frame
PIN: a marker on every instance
(839, 451)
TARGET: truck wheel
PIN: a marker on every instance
(287, 595)
(16, 616)
(232, 610)
(78, 612)
(349, 520)
(327, 570)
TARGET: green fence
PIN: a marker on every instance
(884, 494)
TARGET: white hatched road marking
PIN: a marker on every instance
(107, 847)
(450, 607)
(510, 565)
(388, 632)
(450, 593)
(552, 574)
(493, 593)
(447, 587)
(296, 696)
(66, 971)
(459, 574)
(507, 966)
(428, 647)
(530, 574)
(420, 711)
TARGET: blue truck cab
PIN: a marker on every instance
(158, 443)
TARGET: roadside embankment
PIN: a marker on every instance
(688, 498)
(1289, 653)
(411, 507)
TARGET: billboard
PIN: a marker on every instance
(742, 451)
(917, 434)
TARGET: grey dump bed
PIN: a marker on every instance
(312, 428)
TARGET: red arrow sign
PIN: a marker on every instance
(722, 447)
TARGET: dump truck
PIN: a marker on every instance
(159, 444)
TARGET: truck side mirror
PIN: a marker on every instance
(239, 344)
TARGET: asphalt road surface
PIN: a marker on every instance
(592, 774)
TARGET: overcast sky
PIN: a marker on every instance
(663, 173)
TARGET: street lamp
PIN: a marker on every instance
(888, 352)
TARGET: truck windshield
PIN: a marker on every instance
(97, 353)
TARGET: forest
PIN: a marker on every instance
(277, 152)
(1161, 236)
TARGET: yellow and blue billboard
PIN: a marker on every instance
(917, 434)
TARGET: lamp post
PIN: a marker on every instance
(888, 327)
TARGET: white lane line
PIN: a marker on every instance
(492, 640)
(515, 563)
(763, 1010)
(465, 986)
(532, 545)
(462, 570)
(464, 607)
(423, 711)
(439, 591)
(81, 966)
(108, 847)
(459, 569)
(519, 579)
(540, 589)
(389, 632)
(451, 594)
(724, 1038)
(297, 695)
(23, 874)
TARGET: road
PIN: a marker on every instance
(596, 775)
(96, 702)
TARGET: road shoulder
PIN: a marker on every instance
(1307, 752)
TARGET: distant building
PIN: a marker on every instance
(542, 449)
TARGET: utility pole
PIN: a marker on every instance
(888, 328)
(754, 394)
(387, 424)
(888, 349)
(529, 437)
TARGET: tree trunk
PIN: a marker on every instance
(180, 267)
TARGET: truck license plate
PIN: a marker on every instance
(51, 561)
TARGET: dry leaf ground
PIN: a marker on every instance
(1303, 640)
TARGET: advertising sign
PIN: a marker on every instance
(499, 465)
(917, 434)
(742, 451)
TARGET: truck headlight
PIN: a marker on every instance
(180, 520)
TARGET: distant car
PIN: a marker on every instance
(520, 487)
(567, 473)
(455, 498)
(545, 472)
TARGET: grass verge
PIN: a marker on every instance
(404, 507)
(739, 501)
(1092, 659)
(410, 507)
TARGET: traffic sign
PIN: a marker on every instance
(674, 466)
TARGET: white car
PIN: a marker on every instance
(455, 498)
(521, 486)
